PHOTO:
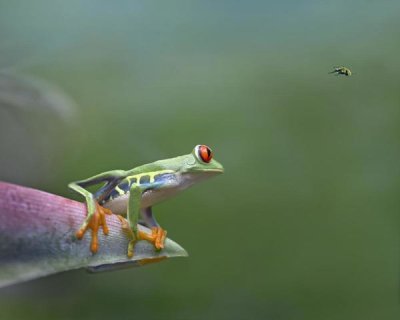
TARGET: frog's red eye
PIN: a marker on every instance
(204, 153)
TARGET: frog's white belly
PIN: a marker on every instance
(119, 205)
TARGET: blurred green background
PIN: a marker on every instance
(304, 224)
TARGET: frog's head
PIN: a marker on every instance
(195, 166)
(198, 166)
(200, 160)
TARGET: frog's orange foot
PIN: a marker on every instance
(157, 237)
(97, 220)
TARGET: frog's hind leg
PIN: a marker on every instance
(95, 213)
(93, 222)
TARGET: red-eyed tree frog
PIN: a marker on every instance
(134, 192)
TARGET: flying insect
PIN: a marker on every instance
(341, 70)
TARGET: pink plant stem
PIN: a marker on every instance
(37, 237)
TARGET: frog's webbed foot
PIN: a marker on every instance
(157, 236)
(97, 220)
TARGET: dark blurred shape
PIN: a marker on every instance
(29, 94)
(31, 112)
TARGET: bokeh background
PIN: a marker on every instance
(304, 224)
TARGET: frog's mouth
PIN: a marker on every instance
(206, 171)
(221, 170)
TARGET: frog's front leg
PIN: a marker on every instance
(158, 234)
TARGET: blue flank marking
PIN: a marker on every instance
(159, 181)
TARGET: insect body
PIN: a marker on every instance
(341, 70)
(134, 192)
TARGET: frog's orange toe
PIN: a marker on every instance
(97, 220)
(160, 235)
(79, 234)
(94, 244)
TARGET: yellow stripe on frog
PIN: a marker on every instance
(150, 174)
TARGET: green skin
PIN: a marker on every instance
(134, 192)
